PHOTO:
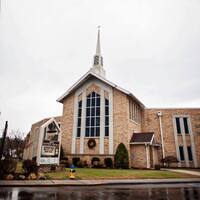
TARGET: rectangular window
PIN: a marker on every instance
(134, 111)
(178, 127)
(106, 117)
(185, 122)
(106, 131)
(182, 157)
(78, 134)
(189, 153)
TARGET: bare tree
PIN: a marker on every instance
(14, 145)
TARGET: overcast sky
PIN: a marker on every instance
(150, 47)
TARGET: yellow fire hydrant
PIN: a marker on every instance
(72, 173)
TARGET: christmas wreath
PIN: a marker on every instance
(91, 143)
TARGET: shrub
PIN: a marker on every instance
(61, 153)
(80, 164)
(95, 159)
(121, 157)
(85, 164)
(95, 162)
(65, 163)
(7, 166)
(157, 167)
(65, 158)
(53, 168)
(169, 159)
(75, 161)
(29, 166)
(108, 162)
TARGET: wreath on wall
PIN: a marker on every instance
(91, 143)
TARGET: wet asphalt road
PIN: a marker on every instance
(120, 192)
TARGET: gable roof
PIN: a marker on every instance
(90, 74)
(141, 138)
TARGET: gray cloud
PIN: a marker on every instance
(149, 47)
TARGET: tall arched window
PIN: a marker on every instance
(92, 123)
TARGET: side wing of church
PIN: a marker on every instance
(98, 116)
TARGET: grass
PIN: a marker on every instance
(87, 173)
(19, 167)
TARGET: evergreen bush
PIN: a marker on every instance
(75, 161)
(121, 157)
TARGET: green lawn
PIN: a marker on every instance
(87, 173)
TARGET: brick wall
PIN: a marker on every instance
(151, 124)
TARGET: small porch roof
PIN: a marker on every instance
(142, 138)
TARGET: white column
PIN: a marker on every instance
(184, 143)
(110, 122)
(147, 155)
(176, 142)
(192, 143)
(102, 123)
(74, 124)
(83, 122)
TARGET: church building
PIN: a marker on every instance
(98, 115)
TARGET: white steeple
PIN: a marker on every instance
(98, 59)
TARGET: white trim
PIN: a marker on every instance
(184, 142)
(81, 90)
(134, 121)
(161, 133)
(102, 122)
(192, 143)
(83, 122)
(176, 140)
(73, 148)
(111, 123)
(147, 156)
(144, 143)
(40, 140)
(152, 139)
(87, 76)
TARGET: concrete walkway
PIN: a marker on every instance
(195, 173)
(95, 182)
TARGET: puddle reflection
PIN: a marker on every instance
(101, 193)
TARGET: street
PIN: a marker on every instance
(118, 192)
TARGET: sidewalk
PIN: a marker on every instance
(195, 173)
(95, 182)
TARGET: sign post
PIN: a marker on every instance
(3, 139)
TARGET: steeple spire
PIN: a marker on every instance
(98, 48)
(98, 59)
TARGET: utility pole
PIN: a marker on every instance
(3, 139)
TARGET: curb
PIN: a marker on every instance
(53, 183)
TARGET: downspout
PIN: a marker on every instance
(161, 133)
